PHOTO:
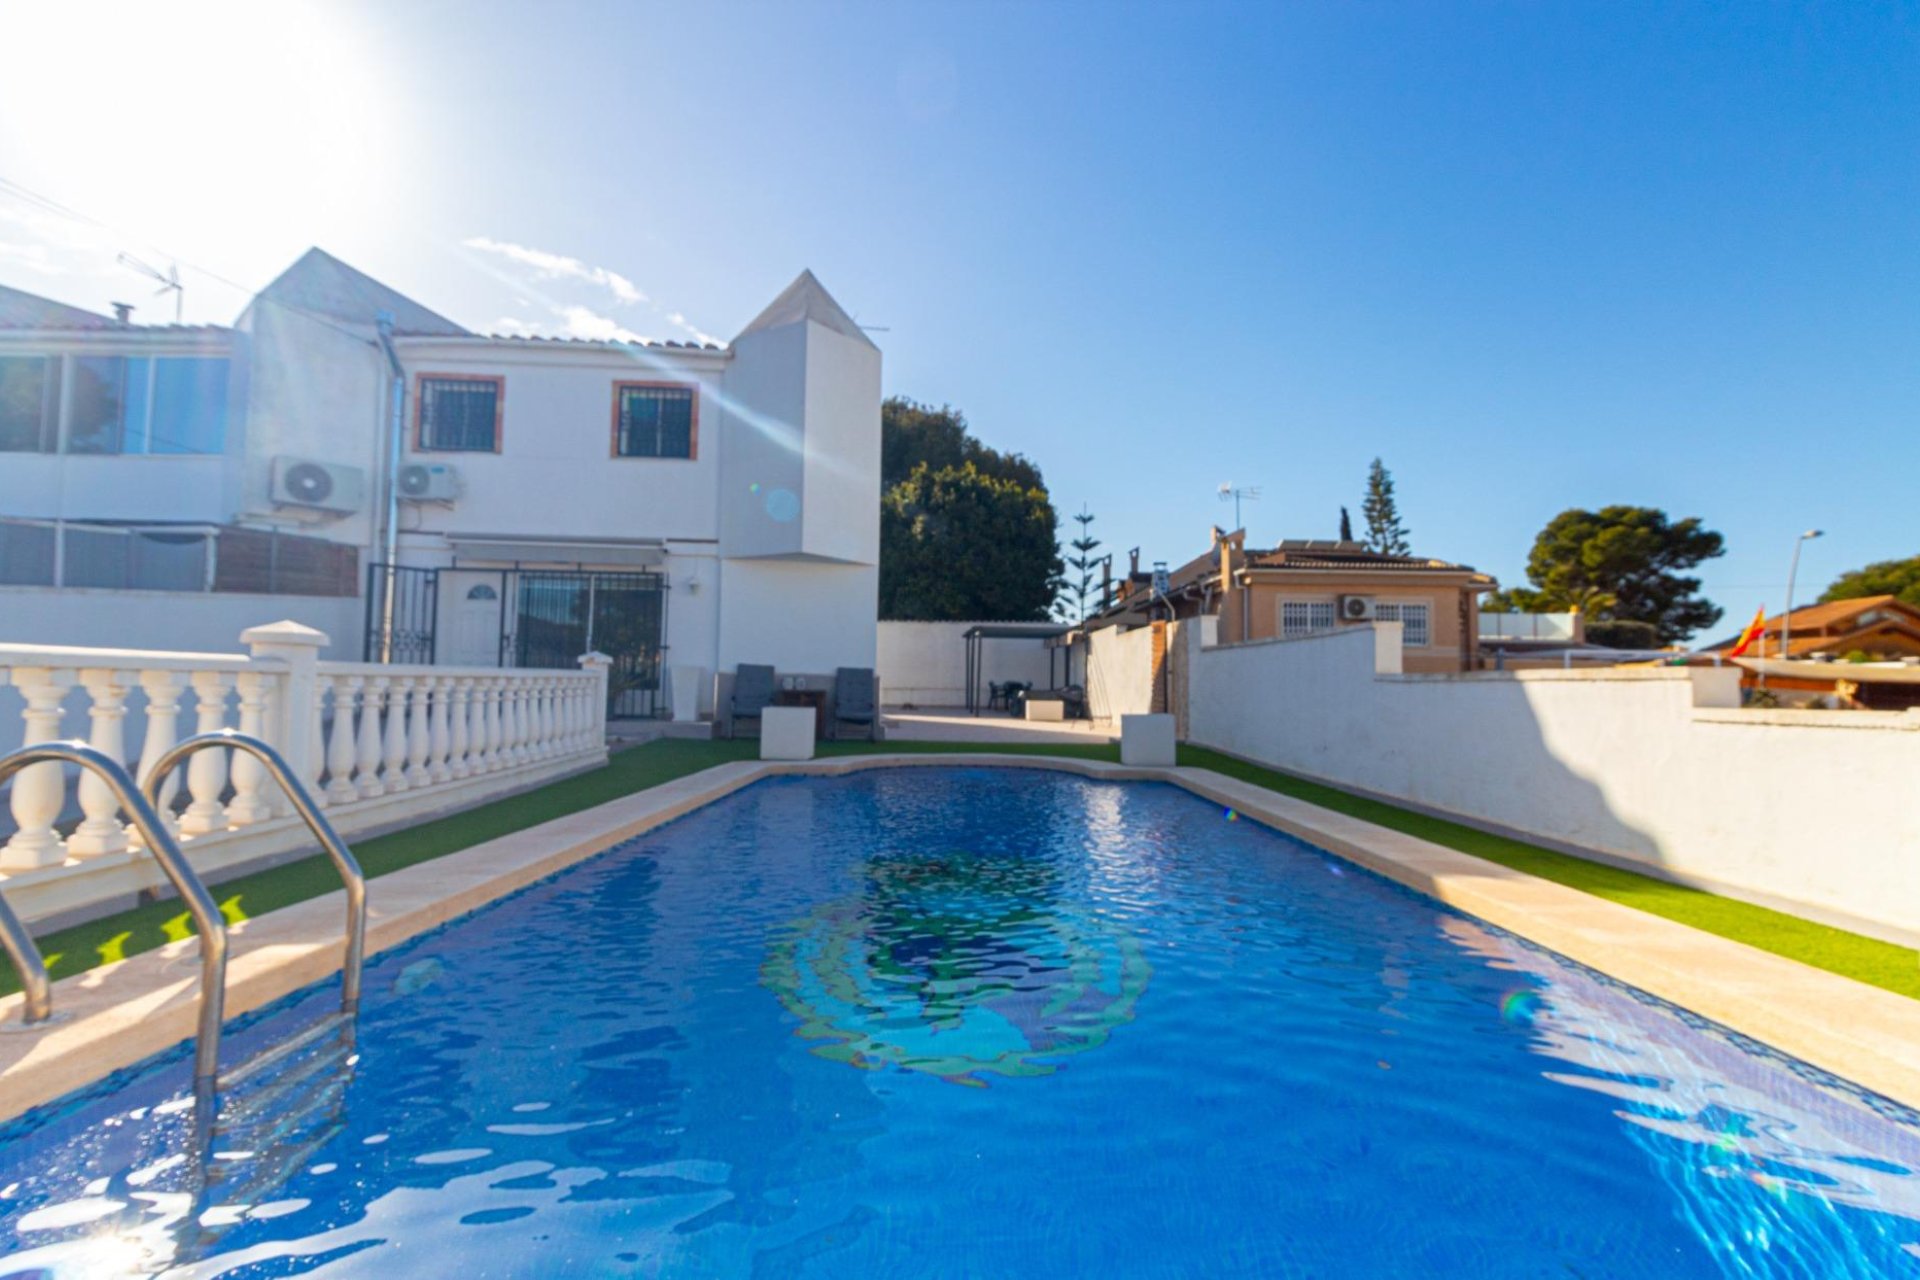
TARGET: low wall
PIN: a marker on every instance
(1651, 767)
(924, 664)
(1120, 672)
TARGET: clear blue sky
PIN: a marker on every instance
(1535, 256)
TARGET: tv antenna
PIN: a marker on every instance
(169, 280)
(1249, 494)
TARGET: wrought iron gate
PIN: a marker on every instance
(547, 618)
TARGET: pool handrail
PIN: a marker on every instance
(166, 851)
(35, 986)
(344, 862)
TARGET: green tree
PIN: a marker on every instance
(1881, 578)
(1624, 564)
(957, 544)
(912, 433)
(1083, 561)
(1385, 533)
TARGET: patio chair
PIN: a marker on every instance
(1075, 698)
(752, 693)
(1017, 691)
(853, 701)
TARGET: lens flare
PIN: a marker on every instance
(1522, 1007)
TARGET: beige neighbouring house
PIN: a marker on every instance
(1302, 588)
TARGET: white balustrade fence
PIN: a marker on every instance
(378, 746)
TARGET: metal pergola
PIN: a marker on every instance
(977, 637)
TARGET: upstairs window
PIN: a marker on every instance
(147, 405)
(654, 420)
(459, 414)
(29, 404)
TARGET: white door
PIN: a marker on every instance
(473, 639)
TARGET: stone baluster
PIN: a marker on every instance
(394, 776)
(207, 770)
(537, 718)
(100, 830)
(518, 689)
(252, 788)
(442, 743)
(317, 747)
(427, 744)
(340, 743)
(562, 716)
(529, 718)
(163, 730)
(366, 764)
(494, 686)
(38, 789)
(576, 714)
(504, 758)
(458, 721)
(549, 717)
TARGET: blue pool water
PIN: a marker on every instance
(975, 1023)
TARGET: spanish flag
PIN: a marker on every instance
(1751, 634)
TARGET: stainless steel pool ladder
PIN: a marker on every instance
(142, 809)
(166, 851)
(336, 848)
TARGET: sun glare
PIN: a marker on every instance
(223, 131)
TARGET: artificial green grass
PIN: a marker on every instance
(81, 947)
(1868, 960)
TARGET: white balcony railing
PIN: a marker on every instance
(379, 746)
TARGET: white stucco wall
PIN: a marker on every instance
(925, 663)
(555, 474)
(209, 622)
(763, 444)
(1652, 766)
(841, 519)
(316, 390)
(799, 615)
(1120, 672)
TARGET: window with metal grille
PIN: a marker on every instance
(652, 421)
(459, 415)
(1305, 617)
(1412, 619)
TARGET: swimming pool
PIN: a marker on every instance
(974, 1022)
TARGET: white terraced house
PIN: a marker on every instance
(679, 507)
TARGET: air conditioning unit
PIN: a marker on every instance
(429, 482)
(322, 486)
(1356, 608)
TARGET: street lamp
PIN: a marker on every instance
(1786, 619)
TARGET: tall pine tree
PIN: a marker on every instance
(1385, 533)
(1083, 560)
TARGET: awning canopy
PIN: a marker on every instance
(1016, 630)
(977, 635)
(567, 551)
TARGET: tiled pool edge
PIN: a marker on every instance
(118, 1015)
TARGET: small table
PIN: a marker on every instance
(815, 698)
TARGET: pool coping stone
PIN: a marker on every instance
(116, 1015)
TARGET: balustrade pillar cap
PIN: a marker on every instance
(595, 659)
(286, 631)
